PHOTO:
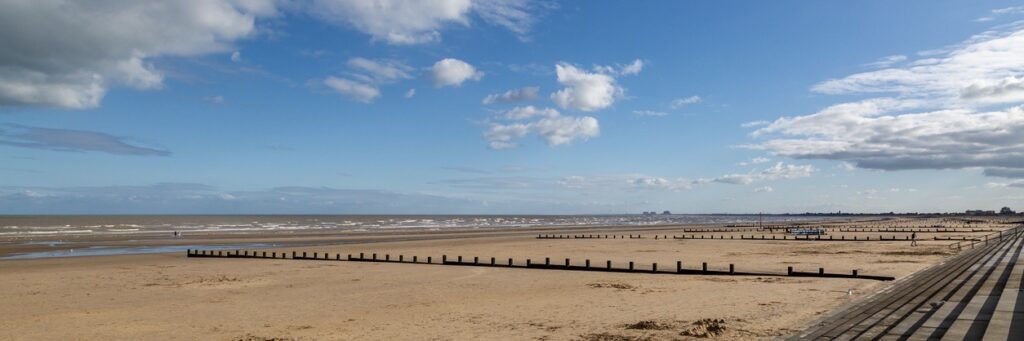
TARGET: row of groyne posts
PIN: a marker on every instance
(995, 237)
(510, 263)
(744, 237)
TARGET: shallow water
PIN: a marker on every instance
(112, 251)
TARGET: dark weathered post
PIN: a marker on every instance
(460, 259)
(444, 258)
(630, 265)
(414, 259)
(854, 272)
(732, 269)
(476, 260)
(654, 267)
(789, 271)
(704, 267)
(492, 260)
(588, 264)
(679, 266)
(430, 259)
(303, 254)
(567, 262)
(547, 261)
(387, 257)
(510, 262)
(374, 256)
(821, 271)
(609, 265)
(527, 262)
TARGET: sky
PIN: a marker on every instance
(510, 106)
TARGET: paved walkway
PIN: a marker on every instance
(972, 296)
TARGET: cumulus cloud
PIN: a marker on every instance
(236, 56)
(524, 94)
(682, 102)
(380, 71)
(632, 68)
(357, 91)
(410, 93)
(68, 54)
(453, 72)
(764, 189)
(69, 140)
(415, 22)
(550, 126)
(938, 112)
(584, 91)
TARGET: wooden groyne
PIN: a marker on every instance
(567, 265)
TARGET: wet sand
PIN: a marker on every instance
(169, 296)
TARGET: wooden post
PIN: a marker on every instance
(430, 259)
(387, 257)
(789, 271)
(630, 265)
(567, 262)
(854, 272)
(821, 271)
(527, 262)
(609, 265)
(476, 260)
(679, 266)
(547, 261)
(654, 267)
(704, 267)
(510, 262)
(492, 260)
(444, 258)
(588, 264)
(303, 254)
(414, 259)
(460, 259)
(732, 269)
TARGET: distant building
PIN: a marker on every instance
(1007, 211)
(667, 212)
(981, 212)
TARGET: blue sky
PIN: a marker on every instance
(510, 106)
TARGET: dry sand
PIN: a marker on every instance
(169, 296)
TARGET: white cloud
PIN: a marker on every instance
(632, 68)
(236, 56)
(410, 93)
(68, 54)
(996, 13)
(453, 72)
(649, 113)
(354, 90)
(528, 93)
(554, 129)
(936, 113)
(381, 71)
(887, 61)
(681, 102)
(560, 130)
(415, 22)
(500, 136)
(583, 90)
(754, 124)
(779, 171)
(522, 113)
(764, 189)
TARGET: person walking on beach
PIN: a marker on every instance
(913, 239)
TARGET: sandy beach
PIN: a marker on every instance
(169, 296)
